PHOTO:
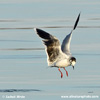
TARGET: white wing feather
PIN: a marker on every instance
(66, 44)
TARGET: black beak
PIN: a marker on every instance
(73, 67)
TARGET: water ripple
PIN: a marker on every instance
(28, 28)
(15, 49)
(19, 90)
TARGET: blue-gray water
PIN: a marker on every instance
(23, 66)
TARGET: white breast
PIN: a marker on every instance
(62, 63)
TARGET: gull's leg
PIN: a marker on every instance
(66, 71)
(60, 72)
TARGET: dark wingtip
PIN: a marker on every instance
(42, 33)
(77, 21)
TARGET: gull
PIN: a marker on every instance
(58, 55)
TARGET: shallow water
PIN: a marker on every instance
(23, 67)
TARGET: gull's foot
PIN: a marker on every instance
(60, 72)
(66, 71)
(61, 75)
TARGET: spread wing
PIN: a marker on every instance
(66, 42)
(53, 48)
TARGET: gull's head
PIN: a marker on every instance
(72, 61)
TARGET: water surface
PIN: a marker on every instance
(23, 66)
